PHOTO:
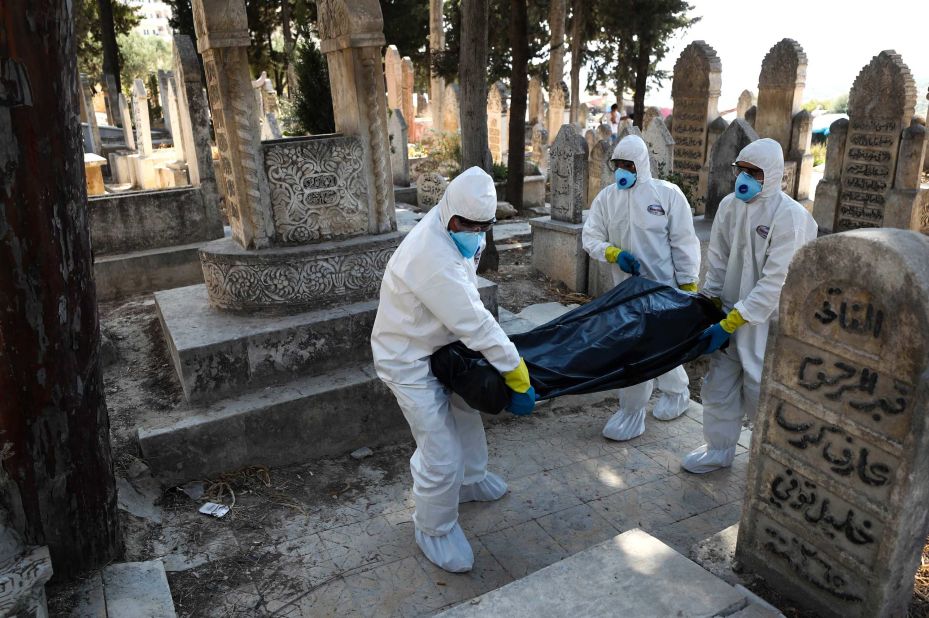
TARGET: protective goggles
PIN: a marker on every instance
(754, 173)
(616, 164)
(475, 226)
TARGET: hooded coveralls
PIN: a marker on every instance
(651, 220)
(429, 298)
(751, 246)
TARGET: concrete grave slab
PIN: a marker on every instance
(633, 574)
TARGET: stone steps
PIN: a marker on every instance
(633, 574)
(141, 272)
(296, 421)
(127, 589)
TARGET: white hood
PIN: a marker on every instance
(633, 148)
(768, 155)
(470, 195)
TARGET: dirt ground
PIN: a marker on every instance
(140, 381)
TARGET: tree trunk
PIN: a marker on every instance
(643, 60)
(556, 21)
(289, 55)
(110, 53)
(472, 78)
(578, 20)
(519, 92)
(57, 469)
(436, 44)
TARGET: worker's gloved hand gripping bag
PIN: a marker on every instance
(637, 331)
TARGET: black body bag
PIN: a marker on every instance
(637, 331)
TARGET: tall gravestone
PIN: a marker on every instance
(660, 147)
(495, 122)
(834, 515)
(695, 91)
(393, 75)
(582, 112)
(651, 112)
(557, 103)
(163, 78)
(406, 97)
(89, 115)
(539, 143)
(451, 113)
(726, 150)
(746, 100)
(126, 117)
(556, 240)
(140, 118)
(194, 123)
(866, 192)
(779, 115)
(535, 100)
(399, 159)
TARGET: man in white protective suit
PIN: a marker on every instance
(641, 225)
(429, 298)
(756, 233)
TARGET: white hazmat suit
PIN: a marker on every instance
(651, 220)
(429, 298)
(751, 246)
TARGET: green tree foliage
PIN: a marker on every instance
(406, 25)
(142, 56)
(838, 105)
(87, 33)
(632, 37)
(500, 59)
(313, 107)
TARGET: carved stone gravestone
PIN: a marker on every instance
(650, 113)
(406, 97)
(540, 146)
(568, 173)
(535, 100)
(557, 103)
(726, 150)
(599, 175)
(399, 157)
(660, 147)
(430, 187)
(834, 515)
(451, 114)
(869, 191)
(582, 112)
(556, 240)
(695, 90)
(140, 118)
(779, 116)
(495, 122)
(393, 75)
(746, 100)
(126, 116)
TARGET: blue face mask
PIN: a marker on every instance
(624, 178)
(467, 242)
(746, 187)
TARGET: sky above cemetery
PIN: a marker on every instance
(839, 39)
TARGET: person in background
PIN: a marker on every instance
(642, 225)
(429, 298)
(757, 230)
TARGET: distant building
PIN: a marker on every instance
(153, 18)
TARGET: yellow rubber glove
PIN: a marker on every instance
(612, 254)
(733, 321)
(518, 379)
(689, 287)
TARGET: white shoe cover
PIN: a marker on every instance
(624, 425)
(491, 488)
(671, 405)
(705, 460)
(450, 552)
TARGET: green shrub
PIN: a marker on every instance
(499, 172)
(313, 109)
